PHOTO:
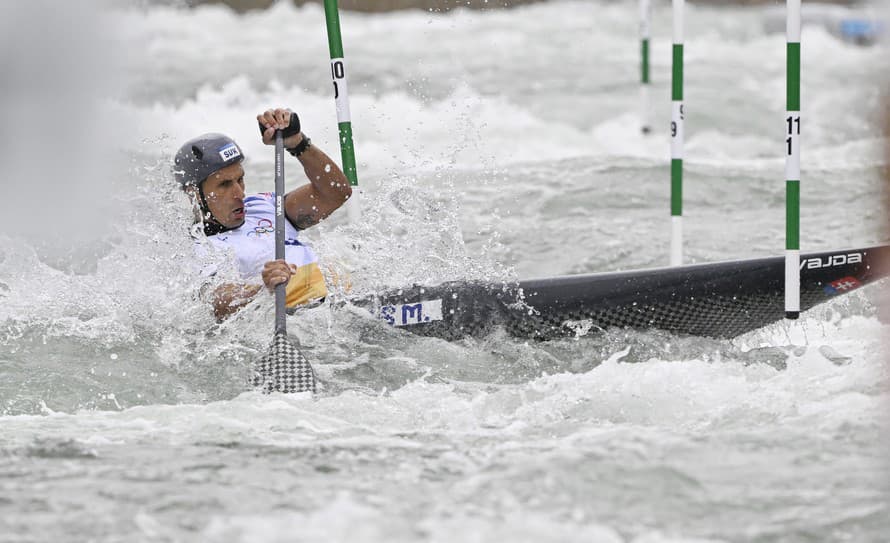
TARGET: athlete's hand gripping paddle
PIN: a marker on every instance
(283, 368)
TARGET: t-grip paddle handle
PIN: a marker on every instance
(291, 129)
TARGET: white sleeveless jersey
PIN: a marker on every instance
(253, 244)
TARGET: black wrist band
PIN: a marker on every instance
(298, 149)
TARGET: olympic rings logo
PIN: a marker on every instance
(264, 226)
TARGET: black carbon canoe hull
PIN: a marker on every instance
(720, 300)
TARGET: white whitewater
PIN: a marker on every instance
(491, 145)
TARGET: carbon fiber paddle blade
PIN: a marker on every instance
(283, 368)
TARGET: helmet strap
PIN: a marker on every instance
(211, 225)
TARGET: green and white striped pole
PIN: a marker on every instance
(677, 119)
(792, 164)
(341, 97)
(645, 86)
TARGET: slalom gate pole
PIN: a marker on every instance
(792, 164)
(645, 92)
(341, 97)
(677, 119)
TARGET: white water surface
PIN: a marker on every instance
(491, 145)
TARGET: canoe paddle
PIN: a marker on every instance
(283, 368)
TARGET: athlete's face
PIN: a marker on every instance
(224, 192)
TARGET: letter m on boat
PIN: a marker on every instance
(419, 312)
(412, 313)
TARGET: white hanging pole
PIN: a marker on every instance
(677, 119)
(792, 164)
(645, 86)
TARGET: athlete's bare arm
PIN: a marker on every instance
(228, 298)
(328, 188)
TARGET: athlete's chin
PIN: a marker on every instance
(235, 222)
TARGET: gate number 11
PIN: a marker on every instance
(791, 122)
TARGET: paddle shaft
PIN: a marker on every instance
(280, 289)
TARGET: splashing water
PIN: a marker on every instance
(491, 145)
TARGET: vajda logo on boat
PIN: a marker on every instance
(831, 261)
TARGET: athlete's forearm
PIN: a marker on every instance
(328, 189)
(230, 297)
(326, 177)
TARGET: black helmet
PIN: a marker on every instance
(200, 157)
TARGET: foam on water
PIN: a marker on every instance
(564, 446)
(491, 145)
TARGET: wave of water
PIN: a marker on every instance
(492, 145)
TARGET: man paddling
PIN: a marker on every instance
(209, 169)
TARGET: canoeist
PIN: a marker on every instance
(209, 169)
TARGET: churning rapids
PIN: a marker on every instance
(491, 145)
